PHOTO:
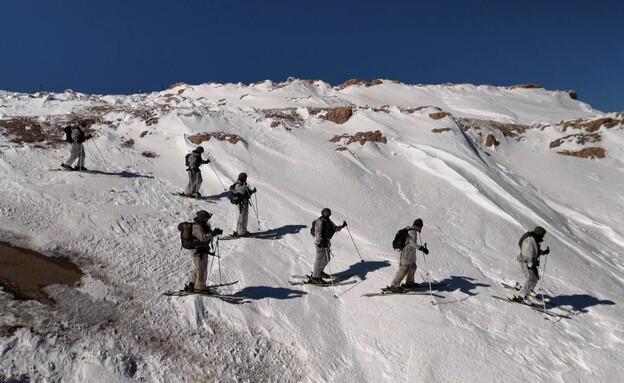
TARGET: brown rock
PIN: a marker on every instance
(592, 152)
(438, 115)
(490, 141)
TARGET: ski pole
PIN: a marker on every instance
(257, 208)
(81, 158)
(98, 149)
(331, 275)
(356, 249)
(427, 269)
(215, 172)
(542, 283)
(219, 261)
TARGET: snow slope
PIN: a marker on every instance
(119, 226)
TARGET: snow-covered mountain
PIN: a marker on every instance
(480, 165)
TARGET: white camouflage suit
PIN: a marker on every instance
(322, 244)
(528, 259)
(407, 259)
(194, 174)
(198, 275)
(243, 207)
(77, 149)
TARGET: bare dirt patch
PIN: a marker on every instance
(24, 273)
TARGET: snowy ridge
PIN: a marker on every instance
(476, 201)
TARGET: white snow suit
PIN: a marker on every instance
(407, 259)
(200, 256)
(324, 230)
(194, 174)
(77, 148)
(529, 261)
(243, 207)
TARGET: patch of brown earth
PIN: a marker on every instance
(24, 273)
(197, 139)
(593, 152)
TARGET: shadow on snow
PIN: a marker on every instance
(262, 292)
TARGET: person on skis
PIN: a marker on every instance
(204, 234)
(407, 259)
(323, 230)
(77, 138)
(530, 252)
(193, 161)
(241, 193)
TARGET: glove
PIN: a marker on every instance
(207, 161)
(424, 249)
(547, 251)
(255, 190)
(88, 136)
(216, 232)
(344, 223)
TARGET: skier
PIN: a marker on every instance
(407, 259)
(193, 161)
(204, 234)
(78, 138)
(242, 194)
(323, 230)
(530, 252)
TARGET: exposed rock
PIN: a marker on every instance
(438, 115)
(197, 139)
(573, 94)
(361, 137)
(355, 81)
(581, 139)
(440, 130)
(338, 115)
(490, 141)
(177, 84)
(526, 86)
(591, 152)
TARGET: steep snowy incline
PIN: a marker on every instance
(120, 227)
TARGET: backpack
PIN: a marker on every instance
(186, 236)
(400, 239)
(68, 134)
(328, 231)
(312, 229)
(186, 160)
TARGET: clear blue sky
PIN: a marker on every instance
(111, 46)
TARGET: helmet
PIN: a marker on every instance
(199, 149)
(242, 176)
(326, 210)
(418, 222)
(540, 231)
(203, 214)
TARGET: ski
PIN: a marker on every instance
(342, 283)
(222, 284)
(537, 308)
(74, 171)
(183, 293)
(207, 199)
(332, 277)
(425, 286)
(388, 293)
(262, 234)
(539, 300)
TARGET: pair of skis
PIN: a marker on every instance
(225, 297)
(537, 304)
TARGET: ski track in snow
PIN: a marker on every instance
(116, 326)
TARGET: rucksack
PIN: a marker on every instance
(400, 239)
(312, 229)
(524, 236)
(186, 160)
(235, 198)
(187, 238)
(68, 134)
